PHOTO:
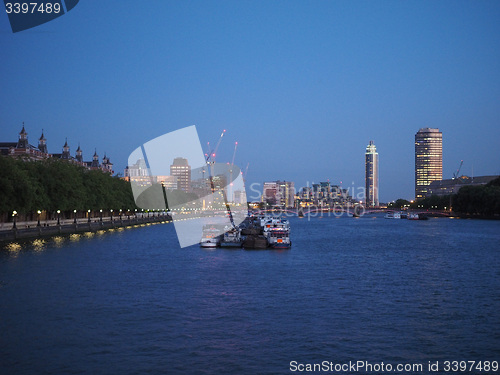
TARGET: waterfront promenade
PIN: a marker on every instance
(33, 229)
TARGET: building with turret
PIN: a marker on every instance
(22, 148)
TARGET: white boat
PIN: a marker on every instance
(277, 232)
(417, 216)
(278, 238)
(210, 237)
(396, 215)
(276, 222)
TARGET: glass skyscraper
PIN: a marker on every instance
(428, 159)
(371, 175)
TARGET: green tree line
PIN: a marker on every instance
(478, 200)
(49, 185)
(481, 200)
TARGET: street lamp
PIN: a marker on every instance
(14, 213)
(111, 214)
(88, 211)
(58, 213)
(100, 215)
(38, 212)
(74, 214)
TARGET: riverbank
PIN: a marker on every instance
(22, 231)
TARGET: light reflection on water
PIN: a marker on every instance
(39, 245)
(13, 248)
(58, 241)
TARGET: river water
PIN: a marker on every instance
(132, 302)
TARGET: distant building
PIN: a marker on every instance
(428, 159)
(240, 197)
(168, 182)
(323, 195)
(269, 193)
(182, 170)
(371, 175)
(452, 186)
(138, 173)
(139, 169)
(279, 193)
(22, 148)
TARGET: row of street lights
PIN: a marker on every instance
(39, 212)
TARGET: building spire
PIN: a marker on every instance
(23, 139)
(42, 144)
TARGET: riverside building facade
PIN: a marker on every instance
(22, 148)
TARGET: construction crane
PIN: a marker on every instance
(231, 166)
(455, 175)
(212, 153)
(246, 172)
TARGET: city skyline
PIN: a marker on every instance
(301, 87)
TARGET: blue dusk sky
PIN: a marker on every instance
(303, 86)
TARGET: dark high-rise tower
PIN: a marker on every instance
(182, 170)
(428, 159)
(371, 175)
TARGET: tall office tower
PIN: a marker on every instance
(182, 170)
(371, 175)
(279, 193)
(428, 159)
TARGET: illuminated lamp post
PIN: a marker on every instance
(38, 212)
(58, 214)
(74, 214)
(88, 214)
(14, 214)
(111, 213)
(100, 213)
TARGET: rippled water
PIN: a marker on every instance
(132, 302)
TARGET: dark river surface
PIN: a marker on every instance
(131, 301)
